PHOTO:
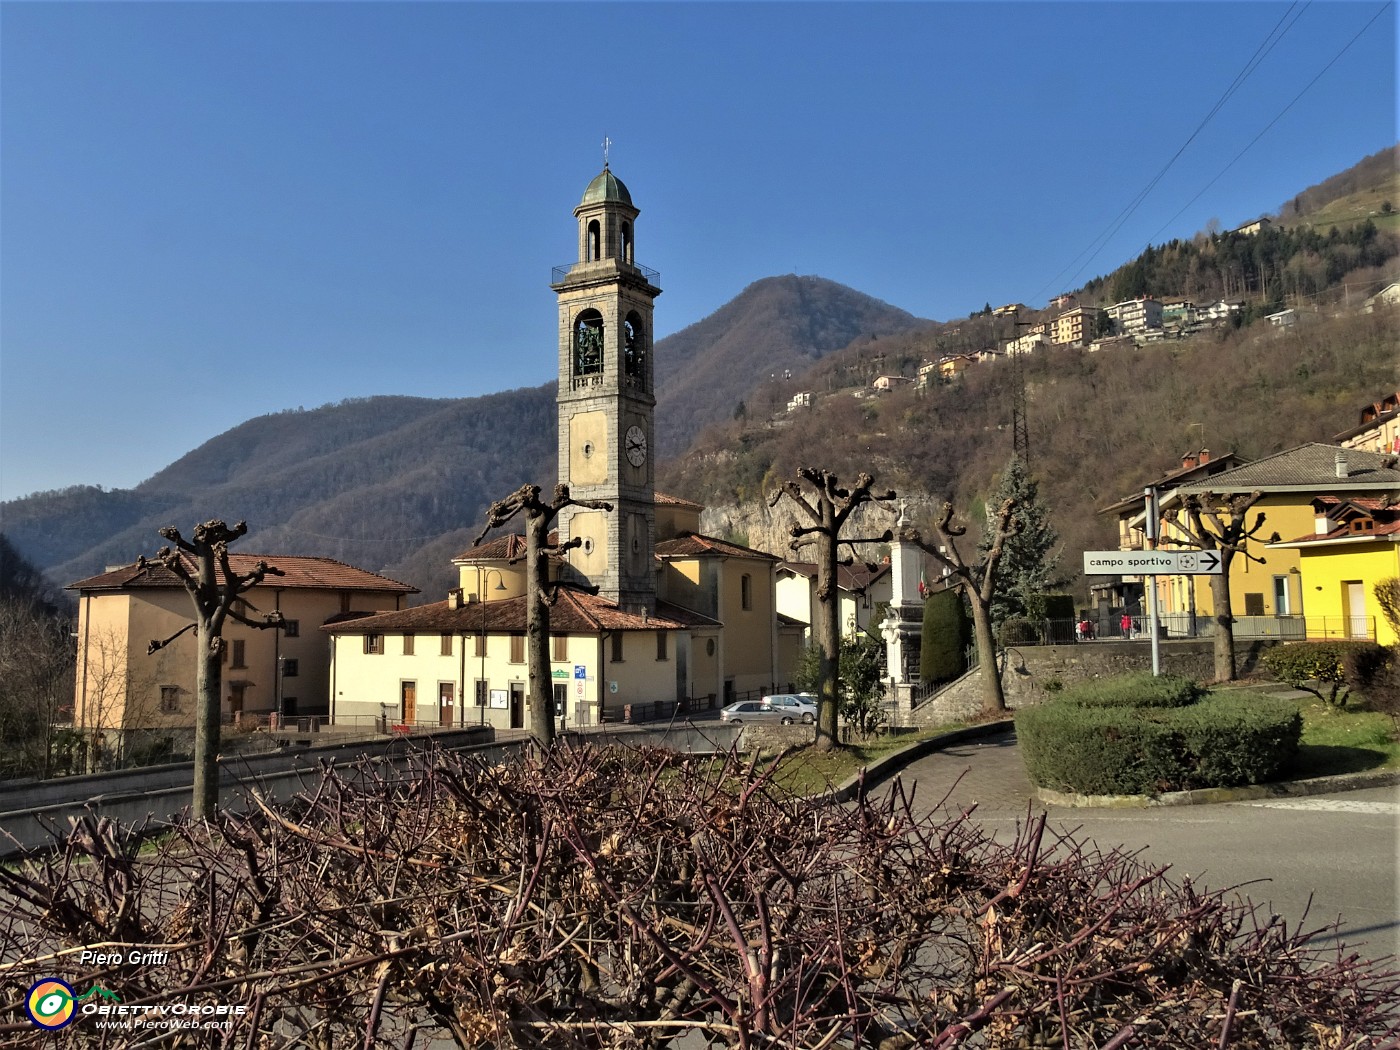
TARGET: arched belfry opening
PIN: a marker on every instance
(594, 250)
(626, 254)
(634, 351)
(588, 343)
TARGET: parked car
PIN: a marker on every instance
(801, 705)
(757, 711)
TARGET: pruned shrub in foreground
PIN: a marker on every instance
(611, 899)
(1091, 747)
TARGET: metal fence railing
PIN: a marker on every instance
(1185, 625)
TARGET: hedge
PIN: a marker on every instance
(1302, 663)
(1142, 689)
(1226, 739)
(946, 635)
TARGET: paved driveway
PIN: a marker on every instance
(1342, 849)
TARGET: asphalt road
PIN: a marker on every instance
(1329, 856)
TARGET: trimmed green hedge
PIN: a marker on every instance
(1226, 739)
(1141, 689)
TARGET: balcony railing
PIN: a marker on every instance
(559, 274)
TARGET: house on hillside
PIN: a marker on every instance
(1254, 226)
(801, 399)
(1378, 429)
(1077, 327)
(955, 365)
(1387, 296)
(128, 701)
(884, 384)
(927, 375)
(1136, 316)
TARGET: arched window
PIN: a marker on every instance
(588, 343)
(746, 591)
(627, 242)
(595, 242)
(634, 350)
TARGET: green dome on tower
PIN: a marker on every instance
(606, 187)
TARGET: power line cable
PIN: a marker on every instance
(1250, 145)
(1270, 41)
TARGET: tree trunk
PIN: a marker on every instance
(208, 687)
(827, 629)
(540, 696)
(993, 697)
(1225, 669)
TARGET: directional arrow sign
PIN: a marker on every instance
(1152, 563)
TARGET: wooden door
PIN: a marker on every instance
(408, 703)
(517, 705)
(446, 694)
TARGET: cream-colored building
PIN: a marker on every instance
(860, 594)
(1077, 327)
(678, 616)
(129, 698)
(1378, 428)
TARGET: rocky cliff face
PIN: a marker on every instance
(765, 528)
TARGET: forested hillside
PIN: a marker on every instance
(1100, 424)
(776, 325)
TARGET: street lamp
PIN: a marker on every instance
(483, 576)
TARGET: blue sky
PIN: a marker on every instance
(213, 211)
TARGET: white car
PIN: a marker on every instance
(802, 706)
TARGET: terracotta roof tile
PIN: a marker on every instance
(572, 613)
(667, 500)
(300, 572)
(694, 545)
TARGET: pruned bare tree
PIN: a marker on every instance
(828, 510)
(214, 588)
(612, 899)
(978, 582)
(1211, 522)
(540, 590)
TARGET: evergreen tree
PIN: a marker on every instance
(1029, 565)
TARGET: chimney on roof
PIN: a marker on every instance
(1343, 469)
(1191, 459)
(1204, 456)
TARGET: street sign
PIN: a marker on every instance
(1152, 563)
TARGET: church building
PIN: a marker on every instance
(678, 615)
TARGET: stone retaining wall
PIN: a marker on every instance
(1029, 669)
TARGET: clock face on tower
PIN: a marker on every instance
(636, 442)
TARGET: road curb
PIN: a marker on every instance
(884, 768)
(1209, 796)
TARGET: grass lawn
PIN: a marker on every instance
(810, 772)
(1344, 741)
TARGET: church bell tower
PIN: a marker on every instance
(605, 401)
